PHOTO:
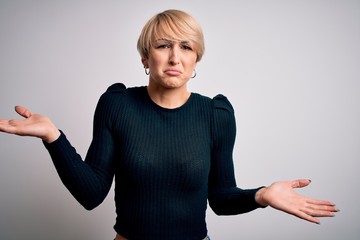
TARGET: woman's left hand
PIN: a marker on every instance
(281, 196)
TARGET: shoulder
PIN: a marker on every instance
(116, 87)
(116, 99)
(224, 124)
(119, 90)
(118, 96)
(115, 95)
(112, 94)
(220, 102)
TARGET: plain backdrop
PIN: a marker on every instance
(291, 69)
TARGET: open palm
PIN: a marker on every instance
(34, 125)
(282, 196)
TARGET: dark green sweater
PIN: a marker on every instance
(167, 163)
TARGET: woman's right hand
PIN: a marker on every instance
(33, 125)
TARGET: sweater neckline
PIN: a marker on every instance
(156, 106)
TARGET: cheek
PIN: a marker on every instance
(191, 60)
(191, 64)
(156, 61)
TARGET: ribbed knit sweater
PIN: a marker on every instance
(167, 163)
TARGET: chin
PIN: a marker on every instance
(175, 83)
(170, 82)
(171, 85)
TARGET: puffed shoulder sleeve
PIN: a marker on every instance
(116, 87)
(224, 126)
(221, 102)
(225, 198)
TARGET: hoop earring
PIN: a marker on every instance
(147, 70)
(194, 75)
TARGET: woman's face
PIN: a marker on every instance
(171, 62)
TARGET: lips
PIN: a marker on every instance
(172, 71)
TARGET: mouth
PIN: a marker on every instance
(172, 72)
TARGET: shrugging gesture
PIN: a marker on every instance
(169, 149)
(281, 196)
(33, 125)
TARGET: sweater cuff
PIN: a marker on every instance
(56, 145)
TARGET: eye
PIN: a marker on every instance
(186, 47)
(163, 46)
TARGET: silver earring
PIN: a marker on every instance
(147, 70)
(194, 74)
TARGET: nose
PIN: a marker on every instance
(174, 56)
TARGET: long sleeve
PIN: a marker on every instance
(168, 163)
(225, 198)
(88, 181)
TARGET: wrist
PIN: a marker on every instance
(259, 197)
(51, 136)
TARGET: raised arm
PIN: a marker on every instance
(225, 198)
(282, 196)
(88, 181)
(34, 125)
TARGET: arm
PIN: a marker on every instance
(225, 198)
(88, 181)
(281, 196)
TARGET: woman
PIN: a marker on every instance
(170, 150)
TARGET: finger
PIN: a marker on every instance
(320, 202)
(308, 217)
(323, 208)
(299, 183)
(319, 210)
(7, 126)
(23, 111)
(318, 213)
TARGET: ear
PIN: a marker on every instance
(144, 61)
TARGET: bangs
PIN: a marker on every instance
(178, 30)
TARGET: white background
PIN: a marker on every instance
(290, 68)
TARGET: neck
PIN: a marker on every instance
(168, 98)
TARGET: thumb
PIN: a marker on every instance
(300, 183)
(23, 111)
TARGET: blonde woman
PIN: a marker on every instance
(169, 149)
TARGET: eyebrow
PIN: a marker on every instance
(172, 40)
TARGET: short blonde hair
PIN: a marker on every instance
(173, 24)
